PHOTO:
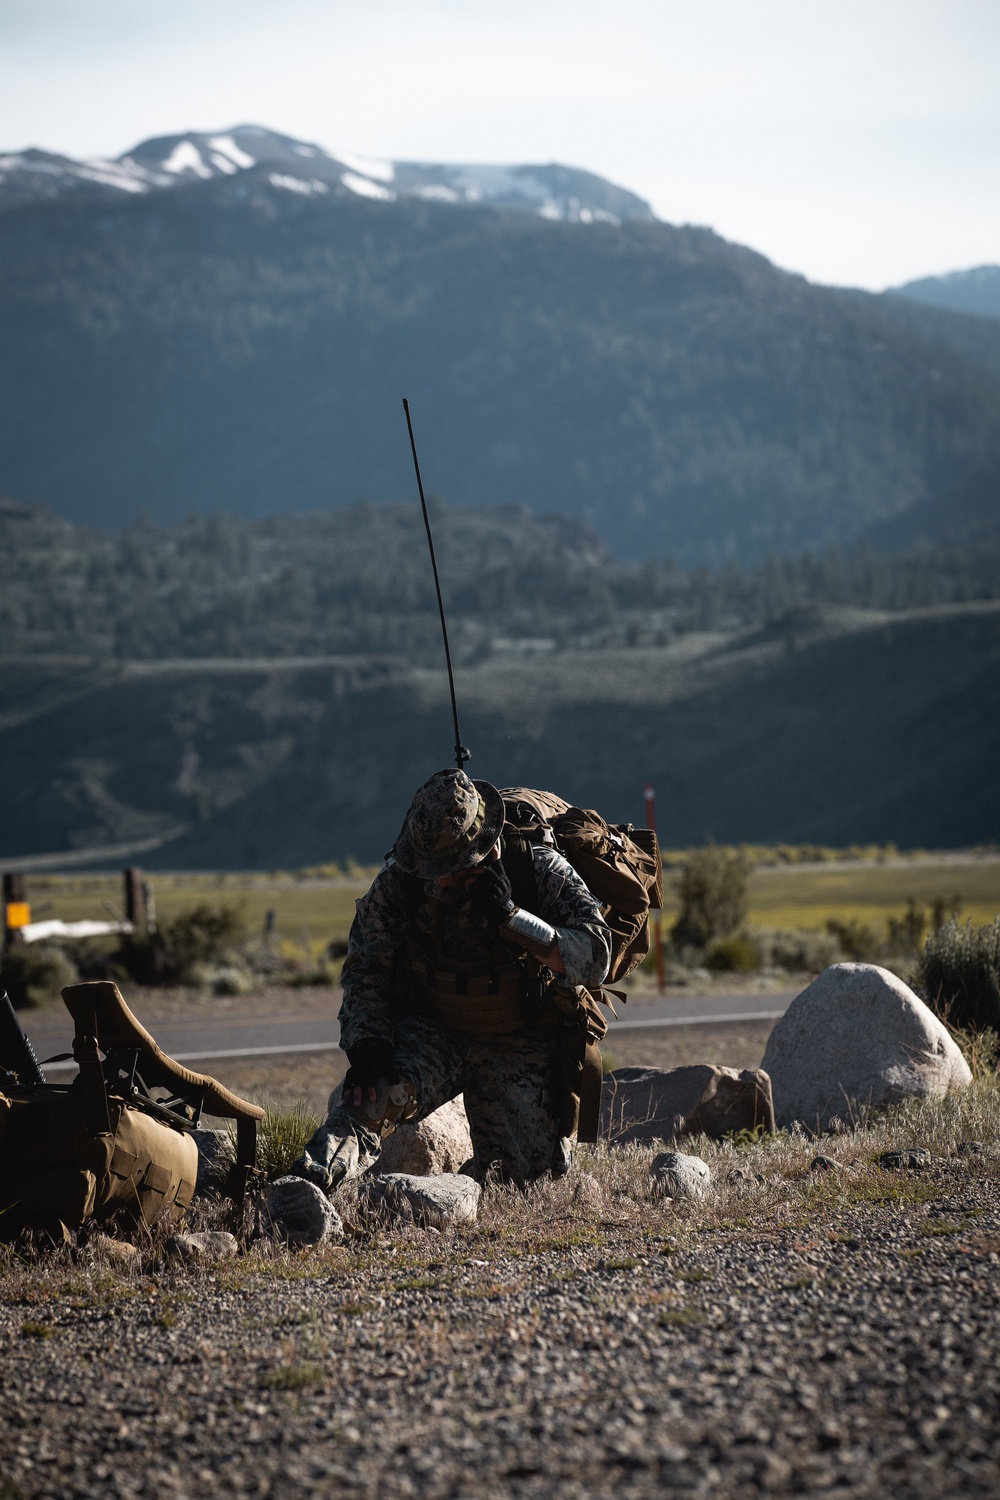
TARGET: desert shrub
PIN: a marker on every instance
(804, 951)
(943, 908)
(33, 973)
(281, 1138)
(906, 933)
(959, 972)
(180, 950)
(859, 942)
(714, 901)
(981, 1050)
(736, 954)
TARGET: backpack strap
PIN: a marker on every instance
(518, 861)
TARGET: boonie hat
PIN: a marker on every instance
(452, 824)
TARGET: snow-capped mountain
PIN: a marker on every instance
(552, 191)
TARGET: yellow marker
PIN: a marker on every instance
(18, 914)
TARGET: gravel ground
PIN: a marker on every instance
(799, 1332)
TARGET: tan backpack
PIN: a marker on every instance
(618, 863)
(104, 1145)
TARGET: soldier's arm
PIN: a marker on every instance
(582, 947)
(376, 939)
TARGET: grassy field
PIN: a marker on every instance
(311, 908)
(805, 895)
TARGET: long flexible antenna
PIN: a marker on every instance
(461, 753)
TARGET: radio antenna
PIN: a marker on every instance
(461, 753)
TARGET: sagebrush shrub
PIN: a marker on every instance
(799, 951)
(714, 899)
(959, 972)
(859, 942)
(736, 954)
(198, 936)
(35, 972)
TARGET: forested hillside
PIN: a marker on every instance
(358, 580)
(234, 344)
(847, 727)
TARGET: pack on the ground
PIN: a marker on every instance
(618, 863)
(105, 1144)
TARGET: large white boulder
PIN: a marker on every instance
(857, 1037)
(440, 1143)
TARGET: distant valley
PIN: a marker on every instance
(850, 726)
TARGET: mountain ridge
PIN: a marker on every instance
(162, 163)
(976, 291)
(227, 344)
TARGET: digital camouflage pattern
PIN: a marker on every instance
(512, 1095)
(446, 925)
(512, 1084)
(451, 825)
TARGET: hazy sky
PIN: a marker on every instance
(857, 141)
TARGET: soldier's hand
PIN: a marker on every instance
(490, 893)
(370, 1061)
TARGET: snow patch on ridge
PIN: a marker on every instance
(367, 166)
(185, 157)
(365, 188)
(227, 147)
(297, 184)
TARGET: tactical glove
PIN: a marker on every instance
(490, 894)
(329, 1159)
(370, 1060)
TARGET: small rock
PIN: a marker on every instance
(914, 1159)
(588, 1193)
(435, 1202)
(215, 1157)
(119, 1252)
(824, 1164)
(678, 1176)
(301, 1213)
(205, 1244)
(440, 1143)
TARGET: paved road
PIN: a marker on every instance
(208, 1038)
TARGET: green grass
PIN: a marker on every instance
(315, 906)
(291, 1377)
(32, 1330)
(680, 1317)
(310, 908)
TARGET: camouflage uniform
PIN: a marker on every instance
(511, 1083)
